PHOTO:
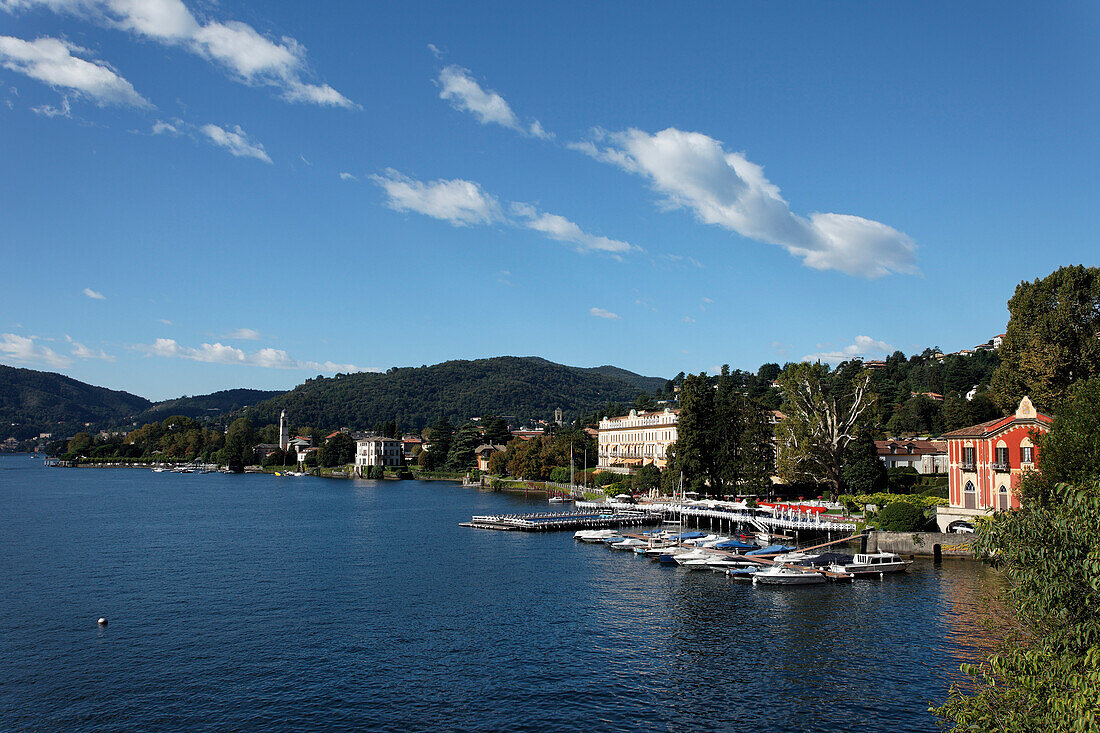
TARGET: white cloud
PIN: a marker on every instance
(601, 313)
(65, 110)
(246, 334)
(435, 50)
(466, 95)
(52, 61)
(862, 346)
(249, 56)
(707, 300)
(687, 319)
(347, 177)
(94, 295)
(236, 141)
(463, 203)
(81, 351)
(695, 171)
(24, 350)
(563, 230)
(160, 127)
(456, 201)
(267, 358)
(165, 321)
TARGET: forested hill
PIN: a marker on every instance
(33, 402)
(522, 388)
(212, 405)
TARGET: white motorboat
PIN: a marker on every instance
(873, 563)
(595, 535)
(556, 500)
(721, 563)
(698, 556)
(628, 544)
(793, 558)
(786, 575)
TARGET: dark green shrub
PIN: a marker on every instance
(900, 517)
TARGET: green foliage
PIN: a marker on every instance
(900, 516)
(863, 471)
(278, 458)
(645, 478)
(525, 387)
(496, 431)
(203, 406)
(1051, 339)
(239, 441)
(1070, 452)
(884, 499)
(902, 479)
(559, 475)
(460, 453)
(339, 450)
(377, 472)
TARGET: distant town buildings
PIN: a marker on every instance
(986, 461)
(484, 452)
(637, 439)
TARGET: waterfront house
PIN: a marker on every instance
(637, 439)
(986, 463)
(484, 452)
(377, 451)
(263, 450)
(925, 456)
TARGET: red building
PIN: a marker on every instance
(985, 463)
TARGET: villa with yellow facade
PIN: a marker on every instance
(637, 439)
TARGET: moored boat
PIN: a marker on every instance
(786, 575)
(872, 563)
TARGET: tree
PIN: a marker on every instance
(79, 443)
(644, 402)
(496, 431)
(863, 472)
(645, 478)
(275, 458)
(756, 449)
(1045, 675)
(697, 432)
(525, 459)
(901, 516)
(441, 435)
(824, 413)
(239, 441)
(498, 463)
(1051, 338)
(339, 450)
(1070, 452)
(460, 455)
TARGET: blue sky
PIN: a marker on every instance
(205, 195)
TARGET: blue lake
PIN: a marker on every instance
(257, 603)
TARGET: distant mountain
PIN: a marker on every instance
(33, 402)
(215, 404)
(521, 388)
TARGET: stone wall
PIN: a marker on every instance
(921, 543)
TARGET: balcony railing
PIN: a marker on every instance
(966, 465)
(1001, 466)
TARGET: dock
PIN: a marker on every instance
(562, 521)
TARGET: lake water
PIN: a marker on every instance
(244, 602)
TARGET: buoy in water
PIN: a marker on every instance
(102, 621)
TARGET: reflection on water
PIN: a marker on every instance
(251, 602)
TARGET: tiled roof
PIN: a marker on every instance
(973, 430)
(920, 447)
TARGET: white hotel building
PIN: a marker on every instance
(637, 439)
(375, 451)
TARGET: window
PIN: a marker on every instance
(1027, 454)
(969, 488)
(1002, 456)
(968, 455)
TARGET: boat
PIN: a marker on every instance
(628, 544)
(771, 550)
(742, 573)
(794, 558)
(698, 554)
(555, 500)
(872, 563)
(786, 575)
(595, 535)
(159, 469)
(733, 545)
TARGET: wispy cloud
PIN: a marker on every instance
(25, 350)
(81, 351)
(601, 313)
(236, 141)
(694, 171)
(862, 346)
(59, 64)
(247, 55)
(458, 87)
(165, 321)
(246, 334)
(464, 203)
(457, 201)
(93, 294)
(687, 319)
(160, 127)
(347, 177)
(267, 358)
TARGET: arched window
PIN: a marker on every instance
(970, 496)
(969, 488)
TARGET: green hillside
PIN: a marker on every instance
(212, 405)
(33, 402)
(522, 388)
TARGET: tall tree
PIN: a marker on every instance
(496, 431)
(460, 455)
(1051, 339)
(697, 433)
(239, 442)
(756, 449)
(824, 412)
